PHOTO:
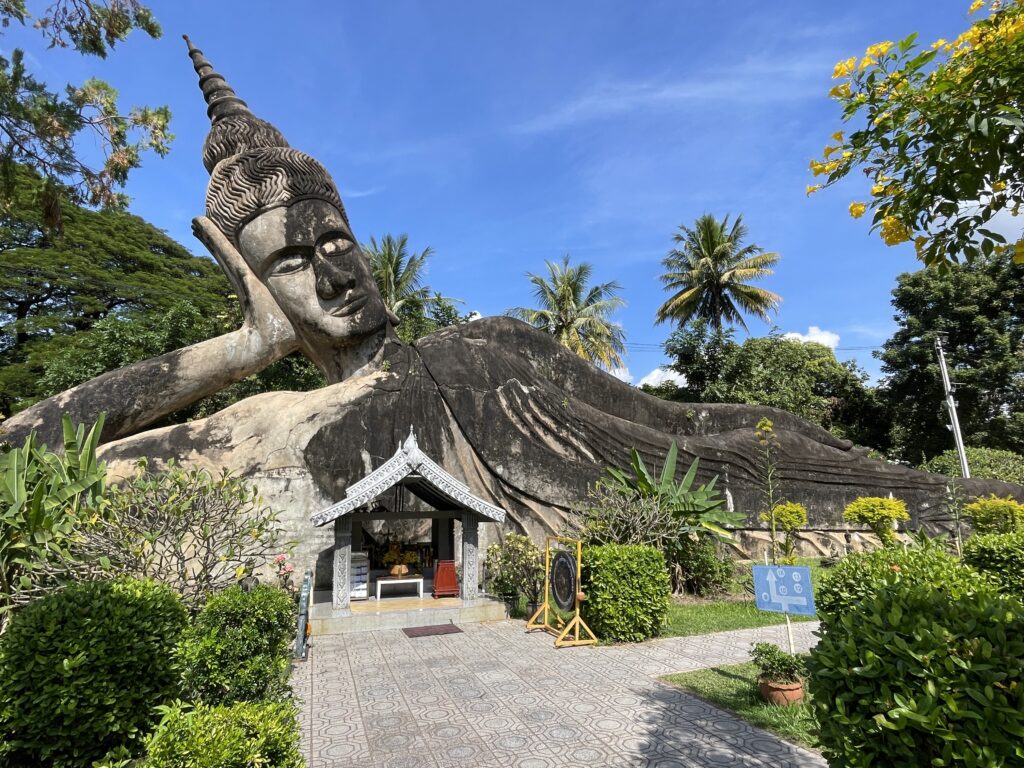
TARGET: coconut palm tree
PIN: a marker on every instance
(709, 273)
(399, 273)
(576, 313)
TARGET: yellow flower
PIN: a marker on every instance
(1018, 252)
(878, 49)
(844, 68)
(866, 62)
(829, 151)
(976, 6)
(919, 243)
(837, 136)
(938, 43)
(894, 231)
(877, 189)
(882, 117)
(841, 91)
(857, 210)
(998, 186)
(812, 188)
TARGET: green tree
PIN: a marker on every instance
(577, 313)
(42, 129)
(803, 378)
(418, 319)
(709, 273)
(105, 264)
(980, 308)
(938, 132)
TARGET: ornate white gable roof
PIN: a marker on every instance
(408, 460)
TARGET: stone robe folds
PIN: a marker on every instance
(522, 422)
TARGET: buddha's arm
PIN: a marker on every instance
(137, 395)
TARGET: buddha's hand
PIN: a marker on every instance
(260, 312)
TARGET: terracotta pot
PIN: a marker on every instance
(399, 570)
(781, 694)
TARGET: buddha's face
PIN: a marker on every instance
(307, 257)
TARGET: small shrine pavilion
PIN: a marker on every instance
(447, 500)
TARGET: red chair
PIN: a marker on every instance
(446, 582)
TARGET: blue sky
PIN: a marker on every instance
(502, 135)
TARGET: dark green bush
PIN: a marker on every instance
(858, 576)
(238, 647)
(703, 571)
(1001, 556)
(240, 736)
(82, 668)
(923, 673)
(774, 665)
(627, 589)
(984, 463)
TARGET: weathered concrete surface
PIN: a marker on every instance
(523, 423)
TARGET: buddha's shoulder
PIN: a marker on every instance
(497, 334)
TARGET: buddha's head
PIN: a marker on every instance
(282, 211)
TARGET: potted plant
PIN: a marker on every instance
(778, 675)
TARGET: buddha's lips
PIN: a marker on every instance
(350, 307)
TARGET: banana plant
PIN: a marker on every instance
(42, 498)
(700, 509)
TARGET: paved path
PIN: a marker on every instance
(497, 696)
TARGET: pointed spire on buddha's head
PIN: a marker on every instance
(251, 166)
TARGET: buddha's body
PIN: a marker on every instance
(498, 404)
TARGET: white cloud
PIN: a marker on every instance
(473, 315)
(662, 375)
(622, 374)
(829, 339)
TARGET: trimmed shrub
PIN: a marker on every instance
(923, 673)
(627, 589)
(238, 647)
(82, 668)
(790, 517)
(1001, 556)
(985, 464)
(702, 571)
(858, 576)
(995, 515)
(878, 514)
(240, 736)
(774, 665)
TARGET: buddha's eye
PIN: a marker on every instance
(288, 263)
(337, 245)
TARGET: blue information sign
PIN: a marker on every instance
(784, 589)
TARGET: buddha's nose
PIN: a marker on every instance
(330, 279)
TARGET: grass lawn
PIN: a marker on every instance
(734, 688)
(700, 618)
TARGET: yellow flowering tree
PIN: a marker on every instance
(939, 133)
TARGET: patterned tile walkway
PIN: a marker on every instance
(496, 696)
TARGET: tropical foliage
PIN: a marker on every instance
(937, 130)
(43, 498)
(984, 463)
(710, 272)
(577, 313)
(879, 514)
(46, 129)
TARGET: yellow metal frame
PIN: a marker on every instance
(575, 631)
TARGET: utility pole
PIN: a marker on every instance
(951, 406)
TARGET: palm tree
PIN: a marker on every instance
(398, 272)
(576, 313)
(709, 274)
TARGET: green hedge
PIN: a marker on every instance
(1001, 556)
(238, 647)
(984, 463)
(627, 589)
(82, 669)
(241, 736)
(992, 514)
(922, 673)
(857, 576)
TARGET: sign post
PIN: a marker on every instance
(784, 589)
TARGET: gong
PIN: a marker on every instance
(563, 580)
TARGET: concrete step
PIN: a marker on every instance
(325, 621)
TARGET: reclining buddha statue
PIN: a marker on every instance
(500, 405)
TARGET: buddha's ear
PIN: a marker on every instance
(393, 317)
